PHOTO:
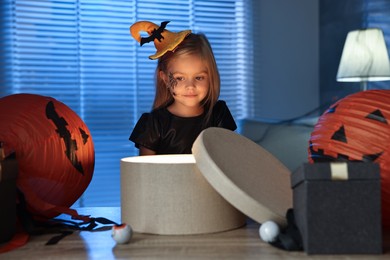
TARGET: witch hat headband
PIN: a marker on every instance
(164, 40)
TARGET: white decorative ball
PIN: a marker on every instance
(269, 231)
(121, 233)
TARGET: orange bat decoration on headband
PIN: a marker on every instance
(163, 39)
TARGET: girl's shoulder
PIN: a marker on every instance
(153, 116)
(160, 116)
(220, 106)
(162, 111)
(221, 116)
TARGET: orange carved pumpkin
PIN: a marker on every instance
(54, 150)
(357, 128)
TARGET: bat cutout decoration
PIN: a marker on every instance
(70, 144)
(156, 34)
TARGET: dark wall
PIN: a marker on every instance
(337, 18)
(286, 58)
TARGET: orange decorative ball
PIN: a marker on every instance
(357, 128)
(54, 150)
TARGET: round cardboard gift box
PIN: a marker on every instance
(166, 194)
(227, 177)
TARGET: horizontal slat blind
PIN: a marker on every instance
(45, 51)
(81, 53)
(6, 53)
(107, 77)
(222, 22)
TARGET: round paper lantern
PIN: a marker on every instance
(54, 150)
(356, 128)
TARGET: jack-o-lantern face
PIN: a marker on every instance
(346, 152)
(54, 150)
(356, 128)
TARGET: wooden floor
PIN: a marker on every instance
(242, 243)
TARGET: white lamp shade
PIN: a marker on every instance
(364, 57)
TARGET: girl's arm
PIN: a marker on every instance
(146, 151)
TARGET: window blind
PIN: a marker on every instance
(81, 53)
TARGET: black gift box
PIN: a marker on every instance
(337, 207)
(8, 175)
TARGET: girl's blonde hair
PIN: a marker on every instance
(193, 44)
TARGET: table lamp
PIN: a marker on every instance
(364, 58)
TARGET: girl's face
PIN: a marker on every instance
(188, 81)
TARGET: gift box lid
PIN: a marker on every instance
(335, 171)
(245, 174)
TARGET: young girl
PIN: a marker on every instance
(187, 91)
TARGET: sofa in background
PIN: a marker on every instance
(287, 141)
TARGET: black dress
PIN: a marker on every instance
(165, 133)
